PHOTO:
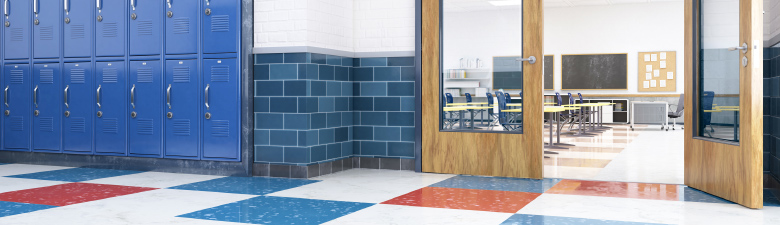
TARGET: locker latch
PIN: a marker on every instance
(7, 23)
(133, 114)
(100, 114)
(170, 14)
(208, 12)
(7, 112)
(67, 113)
(36, 112)
(133, 16)
(169, 115)
(67, 20)
(36, 21)
(100, 18)
(208, 116)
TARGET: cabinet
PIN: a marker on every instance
(111, 26)
(16, 29)
(47, 25)
(79, 28)
(78, 100)
(181, 22)
(146, 27)
(47, 103)
(182, 104)
(220, 127)
(16, 107)
(220, 24)
(145, 108)
(111, 113)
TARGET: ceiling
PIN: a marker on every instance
(482, 5)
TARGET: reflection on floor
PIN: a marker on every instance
(647, 154)
(33, 195)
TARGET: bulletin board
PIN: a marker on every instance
(657, 71)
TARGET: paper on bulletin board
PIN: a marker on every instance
(647, 84)
(663, 64)
(654, 57)
(652, 83)
(656, 73)
(663, 83)
(648, 76)
(663, 55)
(670, 75)
(649, 68)
(647, 57)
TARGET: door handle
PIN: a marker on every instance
(98, 96)
(132, 96)
(67, 9)
(168, 96)
(99, 6)
(6, 96)
(169, 3)
(744, 48)
(207, 97)
(35, 96)
(132, 4)
(531, 59)
(66, 96)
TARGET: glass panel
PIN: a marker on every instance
(718, 86)
(482, 77)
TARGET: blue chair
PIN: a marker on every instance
(448, 97)
(468, 97)
(508, 98)
(492, 115)
(506, 121)
(707, 98)
(449, 122)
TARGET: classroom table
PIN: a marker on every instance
(553, 111)
(461, 110)
(580, 132)
(467, 103)
(734, 109)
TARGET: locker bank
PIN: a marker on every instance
(133, 84)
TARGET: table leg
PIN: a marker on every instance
(551, 145)
(460, 119)
(580, 131)
(736, 125)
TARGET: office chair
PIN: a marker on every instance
(569, 117)
(678, 113)
(707, 98)
(491, 114)
(449, 122)
(468, 97)
(506, 122)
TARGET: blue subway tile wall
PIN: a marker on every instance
(772, 111)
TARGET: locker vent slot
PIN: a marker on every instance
(110, 30)
(145, 75)
(181, 75)
(17, 123)
(220, 23)
(17, 77)
(47, 76)
(46, 124)
(181, 127)
(181, 25)
(47, 33)
(78, 125)
(220, 128)
(77, 31)
(220, 74)
(145, 126)
(77, 76)
(110, 75)
(110, 125)
(145, 28)
(17, 34)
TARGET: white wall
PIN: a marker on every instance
(771, 20)
(384, 25)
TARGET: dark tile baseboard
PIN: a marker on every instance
(771, 181)
(310, 171)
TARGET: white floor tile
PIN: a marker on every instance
(16, 169)
(8, 184)
(154, 179)
(409, 215)
(653, 157)
(570, 172)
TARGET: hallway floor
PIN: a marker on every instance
(33, 194)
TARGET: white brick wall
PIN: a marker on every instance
(771, 19)
(346, 25)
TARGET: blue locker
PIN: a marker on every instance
(79, 28)
(181, 22)
(78, 102)
(220, 127)
(16, 26)
(220, 26)
(182, 102)
(47, 107)
(17, 111)
(146, 111)
(47, 23)
(111, 24)
(146, 27)
(111, 115)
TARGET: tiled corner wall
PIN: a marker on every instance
(310, 107)
(772, 111)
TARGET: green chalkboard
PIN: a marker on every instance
(507, 73)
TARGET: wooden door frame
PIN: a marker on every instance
(488, 154)
(733, 172)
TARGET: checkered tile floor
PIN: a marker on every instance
(31, 194)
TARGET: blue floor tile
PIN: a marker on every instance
(518, 219)
(693, 195)
(279, 210)
(772, 197)
(498, 184)
(13, 208)
(245, 185)
(76, 174)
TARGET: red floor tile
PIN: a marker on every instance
(469, 199)
(69, 194)
(616, 189)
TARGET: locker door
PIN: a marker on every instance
(146, 108)
(47, 23)
(182, 102)
(17, 109)
(111, 121)
(220, 127)
(16, 26)
(78, 101)
(47, 103)
(181, 22)
(111, 23)
(78, 28)
(146, 27)
(220, 31)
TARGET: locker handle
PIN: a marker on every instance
(208, 2)
(6, 96)
(98, 95)
(207, 97)
(35, 6)
(67, 9)
(169, 3)
(66, 96)
(5, 8)
(99, 6)
(35, 96)
(168, 96)
(132, 96)
(132, 3)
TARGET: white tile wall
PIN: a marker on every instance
(346, 25)
(771, 19)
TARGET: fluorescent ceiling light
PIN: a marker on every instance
(506, 2)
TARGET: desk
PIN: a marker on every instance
(552, 111)
(461, 109)
(580, 132)
(467, 103)
(734, 109)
